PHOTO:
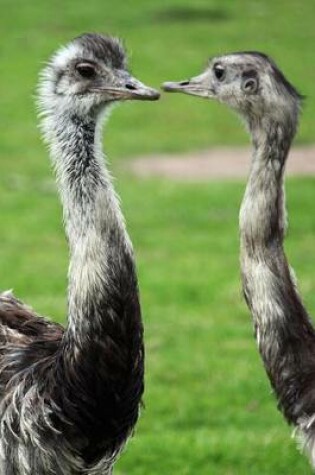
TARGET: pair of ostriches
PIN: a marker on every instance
(70, 398)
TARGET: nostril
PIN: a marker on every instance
(131, 87)
(184, 83)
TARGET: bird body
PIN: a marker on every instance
(252, 85)
(70, 398)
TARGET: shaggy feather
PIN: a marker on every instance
(70, 398)
(252, 84)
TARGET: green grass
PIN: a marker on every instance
(209, 409)
(166, 40)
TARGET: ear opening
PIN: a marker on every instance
(250, 82)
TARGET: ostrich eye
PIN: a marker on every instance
(219, 72)
(86, 70)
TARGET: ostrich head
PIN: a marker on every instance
(249, 83)
(86, 75)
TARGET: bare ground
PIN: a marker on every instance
(215, 164)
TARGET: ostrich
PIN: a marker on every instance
(252, 84)
(70, 397)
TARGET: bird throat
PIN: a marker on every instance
(262, 215)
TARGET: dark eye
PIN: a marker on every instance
(219, 72)
(86, 70)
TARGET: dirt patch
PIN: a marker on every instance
(215, 164)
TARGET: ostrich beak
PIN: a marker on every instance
(196, 86)
(135, 89)
(127, 87)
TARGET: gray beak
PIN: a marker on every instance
(134, 89)
(196, 86)
(126, 87)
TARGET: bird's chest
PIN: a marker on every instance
(18, 458)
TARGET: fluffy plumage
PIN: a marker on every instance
(70, 398)
(252, 84)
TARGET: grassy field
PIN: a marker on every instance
(167, 40)
(208, 404)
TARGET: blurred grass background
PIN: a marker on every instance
(208, 404)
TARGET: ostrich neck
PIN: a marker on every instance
(99, 244)
(262, 225)
(101, 355)
(283, 330)
(85, 185)
(262, 216)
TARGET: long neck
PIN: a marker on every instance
(284, 333)
(102, 350)
(85, 186)
(262, 216)
(94, 224)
